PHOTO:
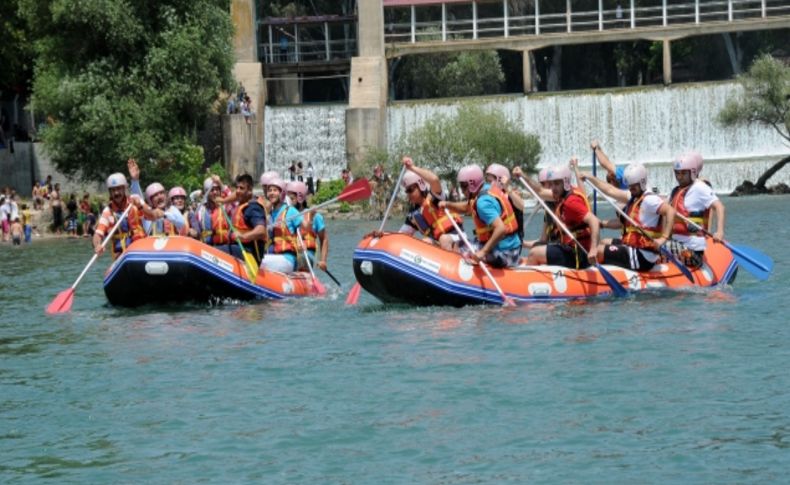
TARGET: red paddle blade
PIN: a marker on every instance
(358, 190)
(508, 302)
(318, 287)
(62, 302)
(353, 295)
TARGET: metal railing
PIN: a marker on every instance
(462, 21)
(300, 43)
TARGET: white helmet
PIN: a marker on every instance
(636, 173)
(116, 180)
(690, 161)
(410, 178)
(472, 175)
(560, 172)
(501, 172)
(299, 188)
(543, 174)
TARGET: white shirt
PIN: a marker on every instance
(699, 197)
(649, 217)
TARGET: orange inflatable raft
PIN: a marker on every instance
(181, 269)
(398, 268)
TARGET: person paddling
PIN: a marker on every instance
(549, 233)
(573, 209)
(638, 249)
(313, 229)
(249, 221)
(424, 192)
(693, 199)
(131, 228)
(496, 241)
(281, 255)
(499, 175)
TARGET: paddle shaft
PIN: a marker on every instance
(392, 198)
(328, 202)
(103, 243)
(595, 174)
(306, 253)
(333, 277)
(461, 233)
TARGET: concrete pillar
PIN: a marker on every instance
(366, 116)
(527, 71)
(248, 72)
(286, 91)
(667, 62)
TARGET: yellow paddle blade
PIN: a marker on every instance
(252, 266)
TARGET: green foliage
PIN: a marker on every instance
(328, 190)
(122, 79)
(448, 75)
(16, 50)
(765, 100)
(473, 135)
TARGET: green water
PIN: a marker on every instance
(677, 388)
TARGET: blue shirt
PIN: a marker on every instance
(318, 226)
(488, 209)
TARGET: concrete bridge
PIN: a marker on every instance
(388, 29)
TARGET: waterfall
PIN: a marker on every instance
(647, 124)
(307, 133)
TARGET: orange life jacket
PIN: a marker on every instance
(631, 235)
(219, 227)
(700, 218)
(284, 241)
(309, 237)
(482, 230)
(580, 231)
(130, 230)
(241, 226)
(432, 221)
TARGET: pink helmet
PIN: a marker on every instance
(116, 180)
(152, 190)
(690, 161)
(208, 184)
(501, 172)
(473, 176)
(175, 192)
(267, 177)
(280, 184)
(560, 172)
(299, 188)
(635, 173)
(544, 172)
(410, 178)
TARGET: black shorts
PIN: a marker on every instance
(568, 256)
(626, 257)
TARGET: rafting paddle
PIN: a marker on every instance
(318, 287)
(666, 252)
(357, 190)
(506, 300)
(63, 301)
(249, 260)
(353, 295)
(759, 264)
(616, 287)
(333, 278)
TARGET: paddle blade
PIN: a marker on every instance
(755, 262)
(353, 295)
(358, 190)
(318, 287)
(618, 289)
(62, 302)
(251, 265)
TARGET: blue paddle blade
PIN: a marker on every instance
(617, 288)
(755, 262)
(682, 267)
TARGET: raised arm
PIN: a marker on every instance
(430, 178)
(619, 195)
(601, 156)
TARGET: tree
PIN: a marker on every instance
(765, 101)
(473, 135)
(448, 75)
(16, 53)
(121, 79)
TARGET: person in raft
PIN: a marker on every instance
(694, 199)
(573, 209)
(281, 255)
(424, 191)
(549, 233)
(500, 175)
(249, 221)
(496, 241)
(131, 228)
(614, 173)
(313, 229)
(635, 250)
(209, 221)
(172, 222)
(178, 199)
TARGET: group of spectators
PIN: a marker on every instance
(241, 103)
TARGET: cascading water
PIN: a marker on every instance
(649, 125)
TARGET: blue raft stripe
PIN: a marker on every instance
(472, 291)
(181, 257)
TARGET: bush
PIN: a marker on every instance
(328, 190)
